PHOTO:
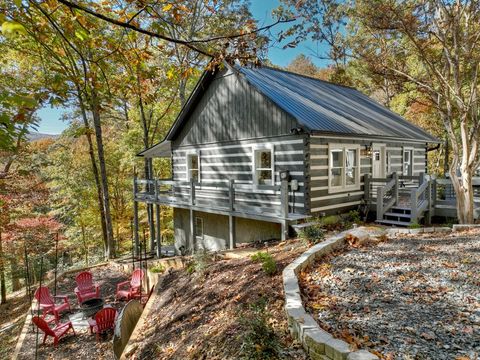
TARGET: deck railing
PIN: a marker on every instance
(387, 196)
(420, 199)
(231, 196)
(383, 193)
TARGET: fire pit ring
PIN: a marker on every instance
(90, 307)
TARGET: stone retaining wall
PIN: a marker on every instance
(319, 344)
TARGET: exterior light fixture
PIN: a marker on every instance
(367, 151)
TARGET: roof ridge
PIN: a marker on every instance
(307, 77)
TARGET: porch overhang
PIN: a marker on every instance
(162, 149)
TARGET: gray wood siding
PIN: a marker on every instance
(231, 109)
(317, 193)
(234, 160)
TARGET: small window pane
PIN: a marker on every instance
(351, 158)
(406, 156)
(336, 177)
(351, 176)
(337, 158)
(264, 159)
(264, 177)
(194, 175)
(194, 162)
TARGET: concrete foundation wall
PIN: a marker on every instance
(215, 230)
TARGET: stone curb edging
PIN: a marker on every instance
(401, 231)
(319, 344)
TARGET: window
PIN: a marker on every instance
(263, 166)
(344, 171)
(199, 228)
(407, 162)
(193, 167)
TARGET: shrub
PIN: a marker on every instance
(259, 341)
(200, 262)
(353, 217)
(312, 234)
(414, 226)
(260, 256)
(331, 222)
(269, 265)
(159, 268)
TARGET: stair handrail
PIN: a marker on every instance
(417, 209)
(383, 207)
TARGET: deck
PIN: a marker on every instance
(266, 203)
(405, 200)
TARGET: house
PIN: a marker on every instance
(256, 150)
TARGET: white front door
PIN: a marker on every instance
(379, 160)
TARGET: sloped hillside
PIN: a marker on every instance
(221, 309)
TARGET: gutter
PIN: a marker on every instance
(434, 148)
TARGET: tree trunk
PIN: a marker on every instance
(110, 254)
(464, 195)
(85, 245)
(446, 160)
(14, 273)
(147, 164)
(3, 287)
(182, 91)
(91, 153)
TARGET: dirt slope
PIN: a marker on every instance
(206, 317)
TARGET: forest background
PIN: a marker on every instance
(124, 69)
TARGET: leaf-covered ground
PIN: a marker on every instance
(201, 317)
(83, 345)
(12, 317)
(415, 297)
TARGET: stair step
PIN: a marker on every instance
(303, 225)
(403, 215)
(393, 222)
(401, 208)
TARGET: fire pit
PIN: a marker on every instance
(90, 307)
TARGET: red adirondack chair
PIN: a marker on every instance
(133, 290)
(104, 321)
(86, 289)
(57, 332)
(48, 304)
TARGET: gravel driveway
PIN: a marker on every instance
(406, 298)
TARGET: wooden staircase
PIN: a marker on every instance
(399, 216)
(398, 205)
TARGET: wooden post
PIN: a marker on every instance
(151, 227)
(413, 205)
(366, 185)
(192, 233)
(231, 194)
(395, 191)
(421, 178)
(159, 236)
(380, 194)
(231, 232)
(284, 235)
(284, 198)
(135, 217)
(192, 192)
(155, 186)
(434, 192)
(429, 199)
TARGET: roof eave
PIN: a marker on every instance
(431, 140)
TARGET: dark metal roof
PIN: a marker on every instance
(321, 106)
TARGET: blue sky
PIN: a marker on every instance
(51, 122)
